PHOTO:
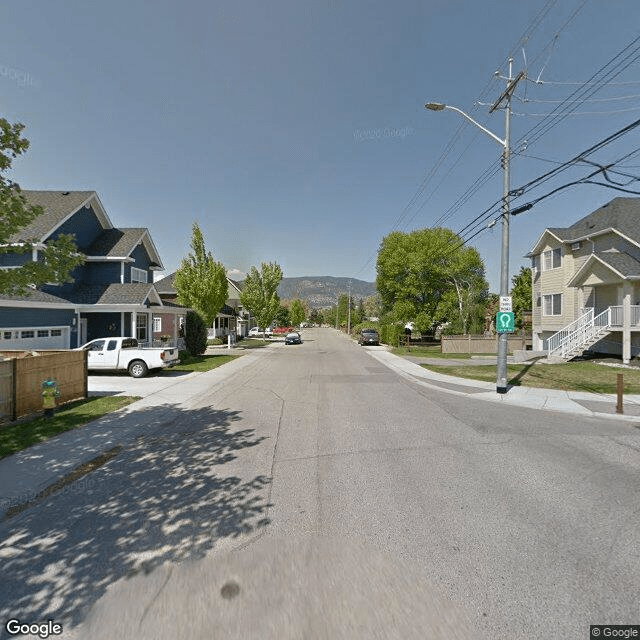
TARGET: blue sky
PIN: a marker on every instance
(296, 131)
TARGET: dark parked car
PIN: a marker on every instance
(369, 336)
(293, 338)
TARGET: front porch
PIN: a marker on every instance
(614, 330)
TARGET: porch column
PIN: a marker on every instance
(627, 290)
(122, 324)
(134, 323)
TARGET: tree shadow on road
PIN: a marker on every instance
(170, 494)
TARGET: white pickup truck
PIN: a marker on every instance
(113, 354)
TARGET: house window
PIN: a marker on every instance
(552, 304)
(7, 335)
(141, 328)
(56, 333)
(138, 275)
(552, 259)
(27, 334)
(157, 325)
(43, 333)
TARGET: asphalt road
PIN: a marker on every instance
(317, 494)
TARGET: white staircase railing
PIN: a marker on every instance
(579, 332)
(556, 341)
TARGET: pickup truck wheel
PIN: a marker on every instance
(138, 369)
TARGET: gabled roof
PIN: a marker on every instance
(621, 215)
(166, 285)
(36, 296)
(622, 265)
(58, 207)
(130, 293)
(120, 243)
(116, 242)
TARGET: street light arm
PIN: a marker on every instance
(435, 106)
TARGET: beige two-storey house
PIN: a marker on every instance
(586, 284)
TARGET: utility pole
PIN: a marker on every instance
(503, 339)
(349, 315)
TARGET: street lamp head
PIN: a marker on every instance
(435, 106)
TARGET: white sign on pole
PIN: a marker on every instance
(506, 303)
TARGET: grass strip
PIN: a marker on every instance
(201, 363)
(569, 376)
(16, 437)
(69, 479)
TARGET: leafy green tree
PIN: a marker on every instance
(282, 318)
(259, 292)
(373, 306)
(297, 313)
(343, 309)
(201, 282)
(521, 293)
(428, 273)
(195, 333)
(60, 256)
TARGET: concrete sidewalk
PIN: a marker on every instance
(599, 405)
(26, 474)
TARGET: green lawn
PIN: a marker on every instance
(202, 363)
(432, 351)
(253, 343)
(569, 376)
(15, 437)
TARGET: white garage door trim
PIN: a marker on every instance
(34, 338)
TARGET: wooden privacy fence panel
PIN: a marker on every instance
(69, 368)
(6, 390)
(480, 344)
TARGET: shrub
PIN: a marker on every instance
(195, 334)
(389, 333)
(213, 342)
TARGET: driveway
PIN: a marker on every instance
(122, 384)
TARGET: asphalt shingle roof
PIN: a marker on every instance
(116, 242)
(622, 262)
(166, 285)
(57, 206)
(129, 293)
(35, 295)
(622, 214)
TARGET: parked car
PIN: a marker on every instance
(256, 331)
(293, 338)
(124, 354)
(369, 336)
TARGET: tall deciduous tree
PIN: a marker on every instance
(427, 273)
(297, 313)
(521, 294)
(260, 293)
(201, 282)
(58, 259)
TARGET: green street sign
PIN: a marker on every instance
(505, 322)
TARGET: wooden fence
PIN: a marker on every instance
(21, 379)
(481, 344)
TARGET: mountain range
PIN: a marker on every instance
(323, 291)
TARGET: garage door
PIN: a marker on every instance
(35, 338)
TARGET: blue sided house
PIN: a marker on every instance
(112, 293)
